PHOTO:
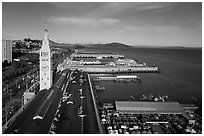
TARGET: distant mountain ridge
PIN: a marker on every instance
(55, 44)
(106, 45)
(113, 44)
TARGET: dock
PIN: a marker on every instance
(118, 78)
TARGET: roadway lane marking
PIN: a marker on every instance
(63, 87)
(47, 108)
(50, 94)
(67, 75)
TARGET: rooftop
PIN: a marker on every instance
(140, 107)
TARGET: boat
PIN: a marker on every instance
(100, 88)
(150, 97)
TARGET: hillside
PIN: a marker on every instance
(110, 45)
(100, 45)
(55, 44)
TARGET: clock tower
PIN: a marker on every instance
(45, 63)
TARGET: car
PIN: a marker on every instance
(52, 132)
(63, 100)
(58, 115)
(53, 127)
(55, 119)
(80, 109)
(16, 130)
(69, 95)
(73, 82)
(57, 110)
(69, 102)
(80, 89)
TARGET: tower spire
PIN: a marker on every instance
(46, 25)
(46, 31)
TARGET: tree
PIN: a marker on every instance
(18, 45)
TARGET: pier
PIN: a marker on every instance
(104, 63)
(118, 78)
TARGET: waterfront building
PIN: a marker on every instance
(126, 62)
(140, 107)
(106, 68)
(103, 63)
(45, 63)
(6, 50)
(96, 55)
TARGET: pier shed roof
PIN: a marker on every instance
(147, 107)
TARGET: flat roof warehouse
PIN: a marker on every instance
(138, 107)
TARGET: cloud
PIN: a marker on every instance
(168, 7)
(83, 21)
(154, 6)
(161, 28)
(139, 6)
(6, 15)
(11, 36)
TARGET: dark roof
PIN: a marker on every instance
(141, 107)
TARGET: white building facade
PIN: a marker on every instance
(6, 50)
(45, 63)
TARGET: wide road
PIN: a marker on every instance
(24, 124)
(69, 120)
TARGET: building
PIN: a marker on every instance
(103, 63)
(126, 77)
(145, 107)
(190, 119)
(96, 55)
(6, 50)
(45, 63)
(27, 96)
(106, 68)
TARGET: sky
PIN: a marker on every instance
(132, 23)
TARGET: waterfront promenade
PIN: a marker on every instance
(95, 107)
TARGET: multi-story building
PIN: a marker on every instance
(6, 50)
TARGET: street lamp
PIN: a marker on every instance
(27, 82)
(22, 102)
(7, 88)
(81, 97)
(19, 87)
(16, 84)
(6, 119)
(10, 94)
(82, 123)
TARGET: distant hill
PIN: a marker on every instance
(109, 45)
(55, 44)
(99, 45)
